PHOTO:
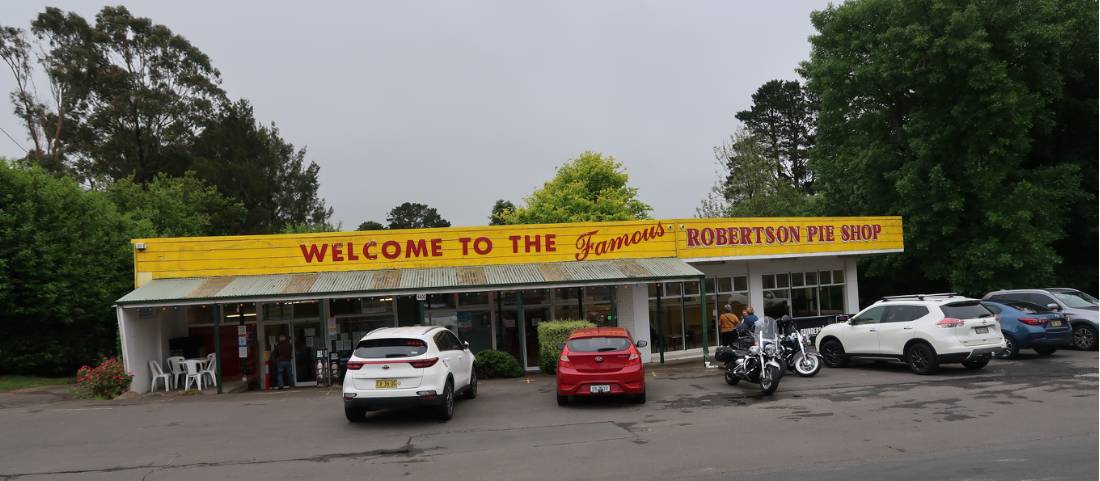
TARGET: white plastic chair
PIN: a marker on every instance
(193, 374)
(158, 374)
(175, 367)
(208, 369)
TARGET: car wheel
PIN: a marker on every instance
(976, 364)
(446, 409)
(731, 379)
(471, 390)
(921, 359)
(1045, 350)
(1084, 337)
(1011, 348)
(355, 415)
(769, 379)
(563, 400)
(832, 351)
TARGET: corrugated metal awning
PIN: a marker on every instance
(286, 287)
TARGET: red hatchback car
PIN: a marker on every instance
(601, 361)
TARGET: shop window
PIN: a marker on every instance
(797, 279)
(725, 284)
(666, 326)
(776, 303)
(838, 277)
(710, 285)
(476, 299)
(782, 281)
(377, 305)
(826, 277)
(408, 311)
(768, 281)
(441, 301)
(307, 310)
(832, 300)
(740, 283)
(804, 302)
(567, 303)
(536, 297)
(811, 278)
(278, 312)
(693, 322)
(691, 288)
(340, 307)
(672, 289)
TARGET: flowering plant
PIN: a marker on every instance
(105, 381)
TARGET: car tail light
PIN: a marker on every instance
(634, 358)
(423, 363)
(355, 365)
(1031, 321)
(950, 322)
(564, 361)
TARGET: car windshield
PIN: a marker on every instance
(1074, 299)
(390, 348)
(965, 310)
(598, 344)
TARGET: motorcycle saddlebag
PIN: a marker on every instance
(724, 354)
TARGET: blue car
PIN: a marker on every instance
(1030, 326)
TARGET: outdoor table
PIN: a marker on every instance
(199, 363)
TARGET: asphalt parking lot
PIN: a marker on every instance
(1032, 418)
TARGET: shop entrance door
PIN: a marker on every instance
(305, 338)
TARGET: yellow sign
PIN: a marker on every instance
(777, 237)
(468, 246)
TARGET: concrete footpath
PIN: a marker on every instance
(867, 421)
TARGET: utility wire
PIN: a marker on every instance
(13, 140)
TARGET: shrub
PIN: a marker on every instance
(552, 334)
(105, 381)
(490, 364)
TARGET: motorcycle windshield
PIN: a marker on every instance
(767, 330)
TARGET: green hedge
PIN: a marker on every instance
(552, 334)
(490, 364)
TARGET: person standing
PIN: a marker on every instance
(727, 324)
(282, 355)
(748, 318)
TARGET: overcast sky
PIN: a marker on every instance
(459, 103)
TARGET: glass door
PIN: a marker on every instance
(272, 333)
(308, 338)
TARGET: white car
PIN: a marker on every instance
(395, 367)
(922, 331)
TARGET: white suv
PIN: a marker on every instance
(921, 330)
(408, 366)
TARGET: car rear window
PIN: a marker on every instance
(390, 348)
(965, 310)
(1028, 308)
(598, 344)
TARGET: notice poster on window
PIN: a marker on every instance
(242, 352)
(309, 341)
(242, 330)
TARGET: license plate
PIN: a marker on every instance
(1056, 323)
(599, 388)
(385, 383)
(981, 330)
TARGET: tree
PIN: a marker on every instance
(64, 258)
(975, 122)
(252, 163)
(131, 94)
(501, 209)
(411, 215)
(176, 206)
(750, 185)
(371, 225)
(591, 187)
(783, 116)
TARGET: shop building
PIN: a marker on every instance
(663, 280)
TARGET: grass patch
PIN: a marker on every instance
(13, 382)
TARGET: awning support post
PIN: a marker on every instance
(219, 312)
(521, 329)
(660, 323)
(705, 315)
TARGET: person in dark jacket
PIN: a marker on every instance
(748, 319)
(282, 355)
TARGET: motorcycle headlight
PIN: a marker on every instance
(754, 350)
(769, 349)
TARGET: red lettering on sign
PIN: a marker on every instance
(415, 248)
(391, 249)
(313, 252)
(437, 247)
(337, 253)
(366, 250)
(483, 245)
(352, 256)
(586, 245)
(550, 243)
(465, 241)
(515, 243)
(693, 237)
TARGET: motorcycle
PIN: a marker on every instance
(796, 358)
(760, 363)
